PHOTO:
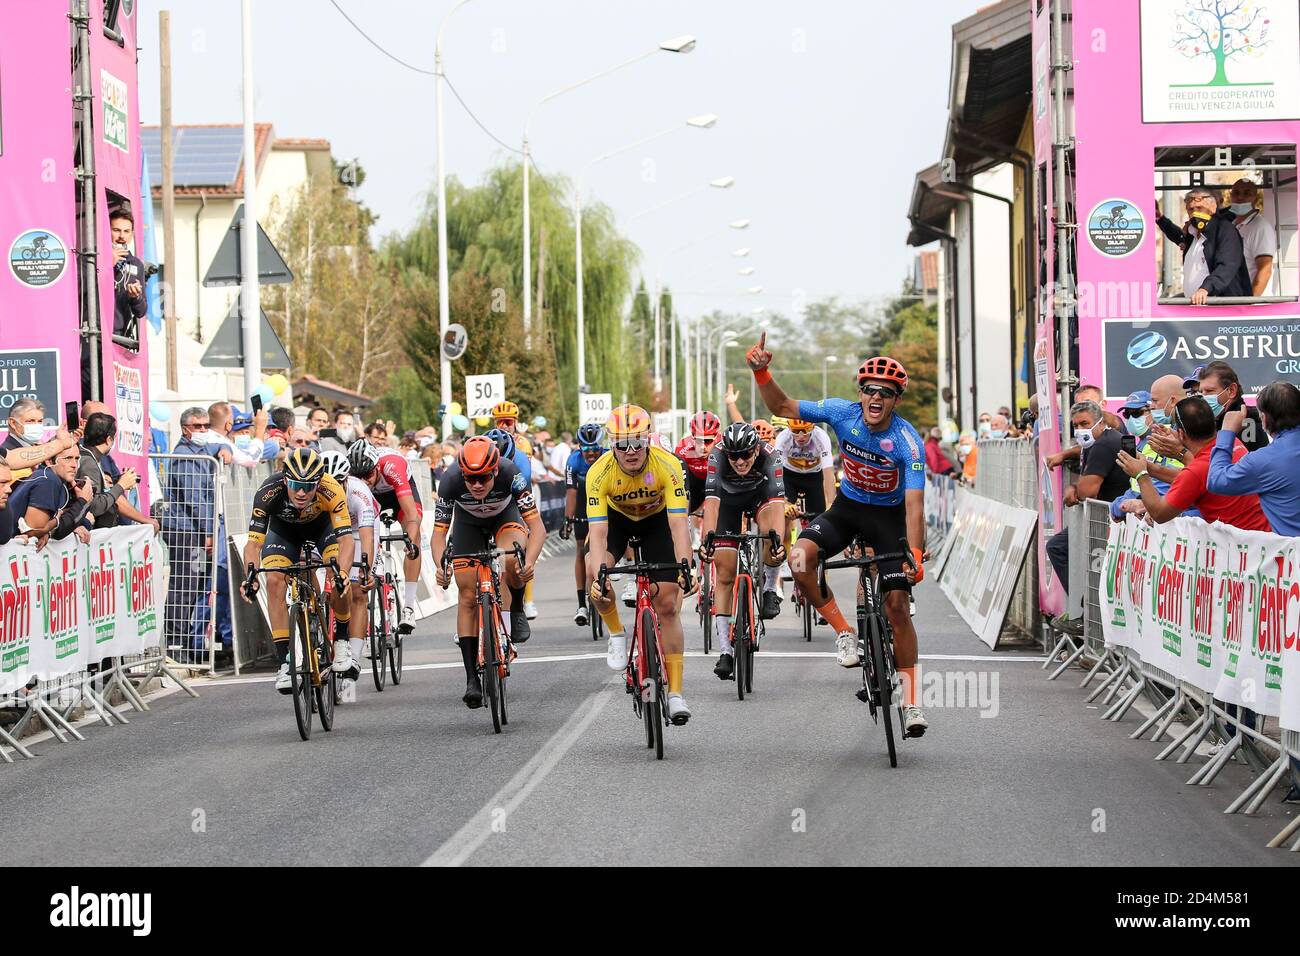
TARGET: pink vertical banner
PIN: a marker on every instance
(39, 342)
(118, 163)
(1051, 596)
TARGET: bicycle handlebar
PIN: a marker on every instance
(682, 567)
(484, 557)
(869, 559)
(308, 566)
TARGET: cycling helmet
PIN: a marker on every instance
(740, 438)
(478, 456)
(336, 465)
(505, 410)
(303, 464)
(504, 441)
(362, 457)
(801, 427)
(764, 428)
(705, 425)
(884, 368)
(628, 421)
(780, 424)
(591, 435)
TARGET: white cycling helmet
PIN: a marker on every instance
(336, 465)
(362, 457)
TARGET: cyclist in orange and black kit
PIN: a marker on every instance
(490, 502)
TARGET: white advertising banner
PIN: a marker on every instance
(1212, 605)
(981, 559)
(69, 603)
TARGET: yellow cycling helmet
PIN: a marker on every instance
(800, 427)
(764, 428)
(628, 421)
(505, 410)
(780, 424)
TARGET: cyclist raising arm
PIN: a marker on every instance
(882, 497)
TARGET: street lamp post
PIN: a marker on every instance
(827, 360)
(682, 44)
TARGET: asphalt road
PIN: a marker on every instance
(1021, 772)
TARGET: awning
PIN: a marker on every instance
(310, 390)
(931, 205)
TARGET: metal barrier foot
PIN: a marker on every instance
(1078, 652)
(1121, 706)
(1259, 787)
(15, 745)
(1211, 769)
(1153, 719)
(1101, 661)
(1055, 651)
(1117, 674)
(1117, 688)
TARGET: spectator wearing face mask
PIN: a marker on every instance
(1215, 264)
(1269, 472)
(1258, 237)
(935, 459)
(1085, 393)
(221, 423)
(1220, 387)
(968, 456)
(24, 448)
(999, 426)
(241, 436)
(342, 435)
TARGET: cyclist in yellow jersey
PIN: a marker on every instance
(506, 416)
(637, 489)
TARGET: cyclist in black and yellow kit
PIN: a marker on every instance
(636, 490)
(299, 504)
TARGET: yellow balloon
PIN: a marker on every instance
(482, 421)
(454, 409)
(277, 383)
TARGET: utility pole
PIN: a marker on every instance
(250, 298)
(168, 285)
(92, 344)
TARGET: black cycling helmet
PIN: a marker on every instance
(362, 458)
(591, 434)
(739, 439)
(303, 464)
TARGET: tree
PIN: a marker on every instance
(1220, 30)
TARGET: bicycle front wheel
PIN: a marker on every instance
(327, 690)
(706, 609)
(300, 670)
(884, 685)
(806, 606)
(488, 639)
(377, 624)
(740, 625)
(654, 707)
(393, 636)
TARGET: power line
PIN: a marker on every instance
(375, 44)
(479, 122)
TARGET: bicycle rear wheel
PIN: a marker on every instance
(326, 690)
(489, 676)
(740, 647)
(706, 607)
(376, 624)
(806, 607)
(884, 685)
(654, 707)
(299, 671)
(394, 633)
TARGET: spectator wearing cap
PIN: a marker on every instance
(241, 434)
(1215, 264)
(1145, 416)
(1269, 472)
(1258, 237)
(1192, 383)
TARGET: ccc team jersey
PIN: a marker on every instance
(807, 459)
(878, 466)
(657, 486)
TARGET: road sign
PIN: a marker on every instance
(664, 424)
(226, 350)
(594, 407)
(225, 268)
(482, 392)
(454, 342)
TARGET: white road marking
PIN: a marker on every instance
(472, 835)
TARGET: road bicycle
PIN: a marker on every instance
(593, 619)
(704, 607)
(313, 683)
(747, 628)
(1115, 218)
(495, 652)
(645, 673)
(383, 632)
(37, 249)
(880, 682)
(802, 605)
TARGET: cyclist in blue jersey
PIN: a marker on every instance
(881, 499)
(591, 445)
(511, 452)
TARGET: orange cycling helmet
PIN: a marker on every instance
(705, 425)
(884, 368)
(478, 456)
(628, 421)
(505, 410)
(801, 427)
(764, 428)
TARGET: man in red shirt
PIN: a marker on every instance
(1193, 425)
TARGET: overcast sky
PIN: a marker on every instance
(827, 110)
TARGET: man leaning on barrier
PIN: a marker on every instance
(1146, 415)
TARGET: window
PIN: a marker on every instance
(1191, 182)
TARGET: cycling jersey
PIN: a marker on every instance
(509, 488)
(523, 463)
(696, 464)
(394, 476)
(271, 505)
(762, 482)
(575, 472)
(656, 487)
(362, 505)
(878, 466)
(806, 459)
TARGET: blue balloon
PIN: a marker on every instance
(459, 422)
(158, 412)
(265, 393)
(539, 421)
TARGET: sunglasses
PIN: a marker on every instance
(477, 480)
(301, 485)
(631, 444)
(743, 456)
(880, 390)
(1132, 412)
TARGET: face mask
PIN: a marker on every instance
(34, 433)
(1136, 426)
(1216, 406)
(447, 459)
(1242, 208)
(347, 435)
(1200, 220)
(949, 438)
(1160, 418)
(200, 438)
(997, 433)
(242, 442)
(1084, 437)
(985, 428)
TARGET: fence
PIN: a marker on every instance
(1007, 471)
(190, 515)
(1126, 677)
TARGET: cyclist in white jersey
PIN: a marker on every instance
(364, 510)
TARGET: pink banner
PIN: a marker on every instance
(39, 344)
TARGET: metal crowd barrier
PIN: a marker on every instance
(1007, 471)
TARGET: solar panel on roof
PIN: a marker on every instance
(207, 156)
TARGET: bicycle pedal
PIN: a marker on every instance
(863, 695)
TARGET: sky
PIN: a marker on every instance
(827, 110)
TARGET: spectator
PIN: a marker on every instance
(1139, 414)
(6, 485)
(108, 482)
(241, 435)
(52, 502)
(282, 422)
(1183, 237)
(317, 421)
(983, 425)
(1192, 384)
(1258, 237)
(221, 423)
(1085, 393)
(1101, 478)
(129, 304)
(1194, 423)
(407, 446)
(1270, 471)
(1215, 265)
(1220, 387)
(24, 447)
(935, 459)
(967, 454)
(189, 525)
(377, 434)
(343, 434)
(999, 426)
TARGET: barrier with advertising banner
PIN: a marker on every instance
(981, 560)
(72, 604)
(1211, 605)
